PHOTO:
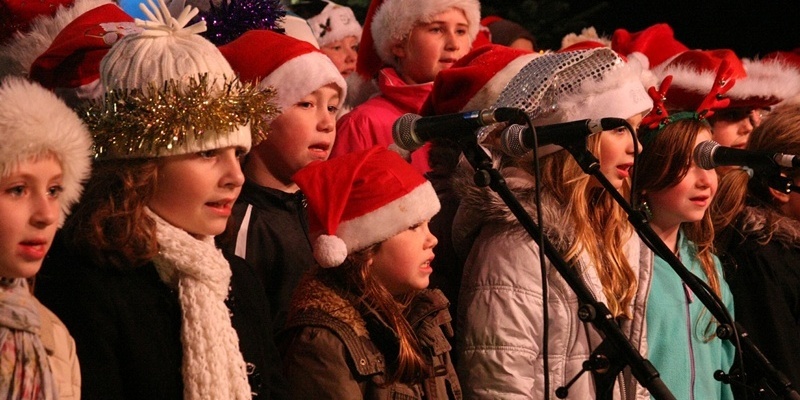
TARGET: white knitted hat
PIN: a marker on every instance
(169, 63)
(334, 22)
(33, 122)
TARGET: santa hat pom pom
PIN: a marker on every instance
(330, 251)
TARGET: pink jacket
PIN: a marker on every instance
(370, 123)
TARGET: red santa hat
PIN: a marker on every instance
(554, 87)
(778, 72)
(291, 66)
(390, 21)
(652, 46)
(694, 71)
(17, 15)
(71, 65)
(19, 51)
(360, 199)
(34, 122)
(476, 80)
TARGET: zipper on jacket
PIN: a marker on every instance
(689, 299)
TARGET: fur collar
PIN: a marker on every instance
(311, 293)
(480, 206)
(765, 224)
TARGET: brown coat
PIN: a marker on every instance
(328, 352)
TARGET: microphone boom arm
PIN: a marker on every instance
(616, 348)
(731, 330)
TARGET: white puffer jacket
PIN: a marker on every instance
(500, 318)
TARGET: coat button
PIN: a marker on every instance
(362, 361)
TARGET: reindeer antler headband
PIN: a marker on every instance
(659, 118)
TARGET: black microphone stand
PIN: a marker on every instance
(616, 351)
(728, 328)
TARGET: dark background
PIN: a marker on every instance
(750, 28)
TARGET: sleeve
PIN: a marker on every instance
(500, 317)
(316, 367)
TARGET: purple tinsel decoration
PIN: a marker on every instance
(232, 18)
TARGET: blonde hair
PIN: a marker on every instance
(595, 215)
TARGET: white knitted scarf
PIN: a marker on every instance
(213, 367)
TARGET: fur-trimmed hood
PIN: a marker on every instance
(765, 225)
(480, 206)
(311, 293)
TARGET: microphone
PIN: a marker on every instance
(411, 131)
(710, 154)
(517, 140)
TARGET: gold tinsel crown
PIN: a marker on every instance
(157, 121)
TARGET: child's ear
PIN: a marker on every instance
(399, 49)
(779, 197)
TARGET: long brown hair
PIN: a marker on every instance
(664, 163)
(110, 223)
(779, 133)
(594, 214)
(355, 276)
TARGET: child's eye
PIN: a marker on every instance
(336, 48)
(621, 130)
(461, 32)
(355, 48)
(305, 104)
(240, 153)
(18, 190)
(55, 190)
(207, 153)
(415, 227)
(333, 109)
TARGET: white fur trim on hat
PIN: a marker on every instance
(34, 122)
(334, 22)
(620, 93)
(18, 54)
(768, 77)
(587, 35)
(394, 20)
(376, 226)
(301, 76)
(687, 77)
(489, 93)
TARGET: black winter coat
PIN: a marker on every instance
(127, 325)
(269, 229)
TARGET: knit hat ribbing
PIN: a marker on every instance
(185, 95)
